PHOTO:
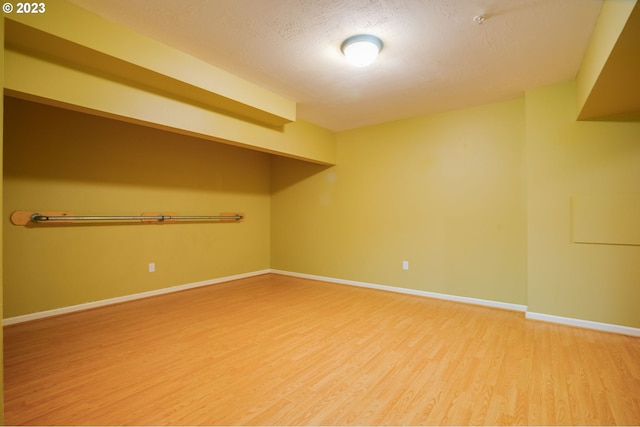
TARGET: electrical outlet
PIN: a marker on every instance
(405, 265)
(152, 267)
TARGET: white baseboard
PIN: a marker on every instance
(467, 300)
(587, 324)
(125, 298)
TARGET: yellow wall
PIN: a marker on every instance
(444, 192)
(479, 201)
(606, 79)
(114, 72)
(567, 159)
(1, 227)
(57, 159)
(81, 39)
(44, 80)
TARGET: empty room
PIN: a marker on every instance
(321, 212)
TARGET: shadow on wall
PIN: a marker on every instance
(287, 172)
(45, 142)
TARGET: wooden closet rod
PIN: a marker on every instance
(31, 218)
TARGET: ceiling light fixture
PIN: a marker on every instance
(362, 49)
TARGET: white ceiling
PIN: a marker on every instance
(435, 56)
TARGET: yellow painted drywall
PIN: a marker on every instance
(36, 78)
(71, 58)
(567, 159)
(62, 160)
(77, 36)
(605, 34)
(444, 192)
(606, 79)
(610, 218)
(1, 225)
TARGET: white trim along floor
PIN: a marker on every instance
(587, 324)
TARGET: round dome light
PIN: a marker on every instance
(362, 49)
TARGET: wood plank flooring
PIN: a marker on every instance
(277, 350)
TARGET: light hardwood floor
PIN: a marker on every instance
(280, 350)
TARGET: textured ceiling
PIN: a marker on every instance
(435, 56)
